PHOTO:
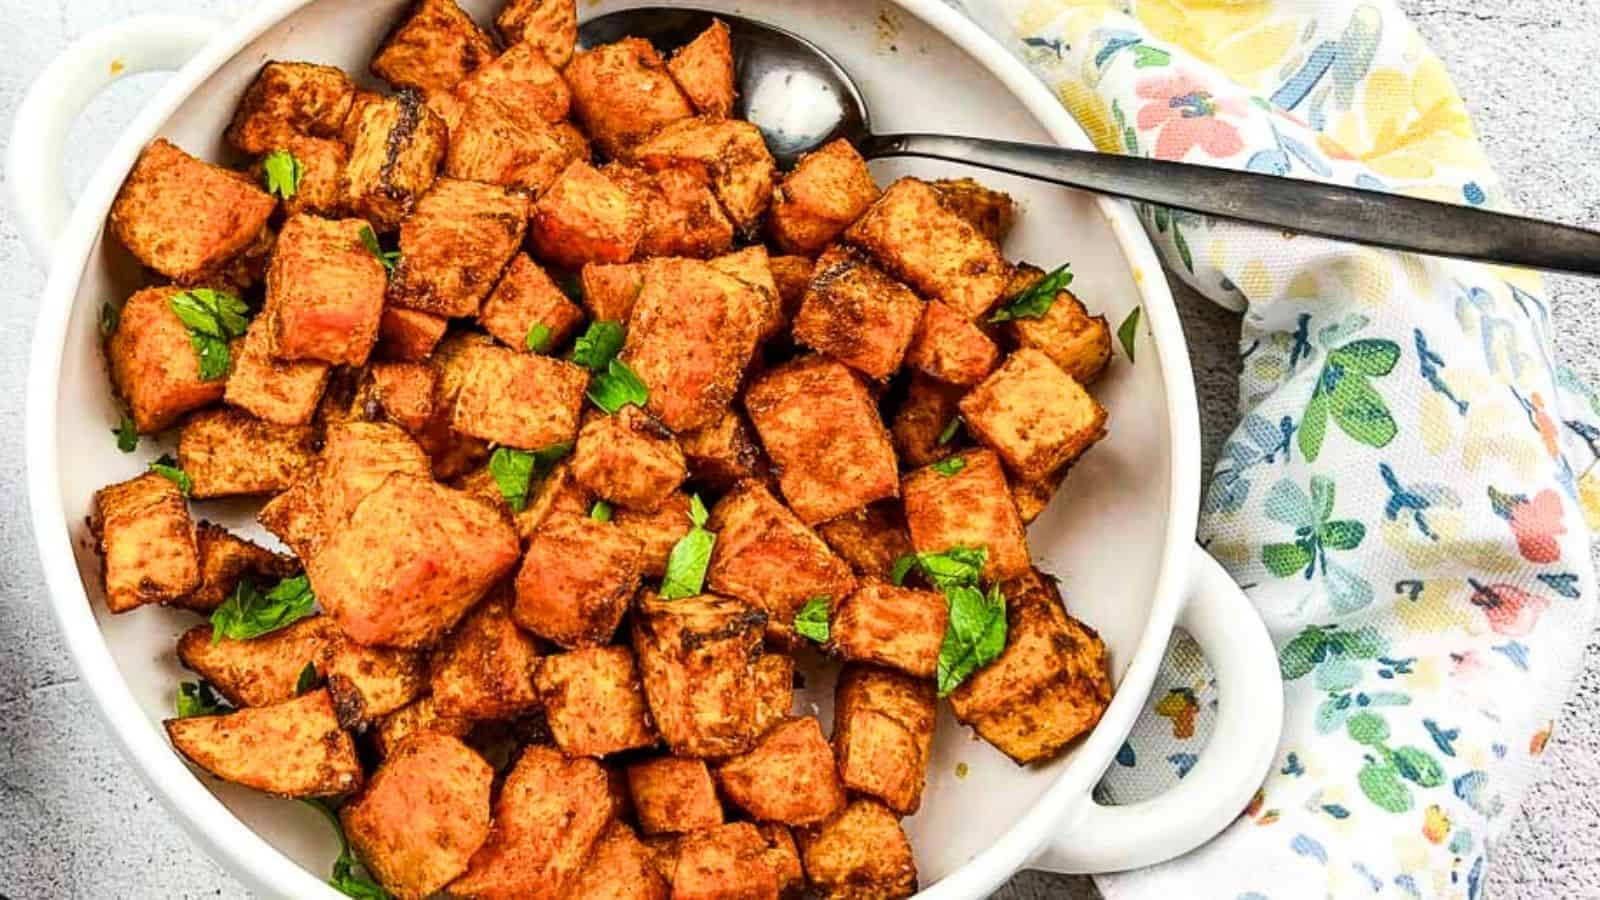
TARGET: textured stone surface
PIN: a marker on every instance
(79, 823)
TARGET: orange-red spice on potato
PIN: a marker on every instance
(883, 724)
(856, 314)
(970, 507)
(789, 775)
(577, 579)
(870, 539)
(1037, 417)
(622, 93)
(550, 25)
(485, 668)
(153, 366)
(325, 291)
(610, 289)
(674, 795)
(696, 655)
(628, 458)
(657, 530)
(522, 78)
(256, 672)
(898, 627)
(861, 852)
(146, 542)
(525, 300)
(396, 146)
(417, 716)
(594, 702)
(356, 458)
(586, 217)
(434, 48)
(519, 399)
(728, 862)
(703, 69)
(728, 154)
(289, 100)
(620, 868)
(271, 389)
(828, 189)
(225, 558)
(496, 143)
(401, 393)
(774, 674)
(409, 335)
(950, 347)
(723, 453)
(455, 244)
(292, 749)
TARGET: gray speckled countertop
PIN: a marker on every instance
(75, 821)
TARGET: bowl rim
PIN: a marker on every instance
(263, 867)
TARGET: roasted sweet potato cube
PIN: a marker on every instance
(891, 626)
(594, 702)
(550, 25)
(410, 561)
(697, 657)
(1049, 686)
(782, 856)
(528, 311)
(728, 154)
(883, 734)
(727, 862)
(295, 516)
(765, 556)
(484, 669)
(291, 749)
(224, 560)
(455, 244)
(369, 683)
(577, 579)
(691, 334)
(185, 217)
(628, 458)
(1037, 417)
(856, 314)
(752, 266)
(788, 776)
(792, 275)
(688, 221)
(949, 347)
(423, 816)
(774, 690)
(153, 365)
(703, 69)
(1078, 342)
(870, 539)
(398, 144)
(822, 431)
(272, 390)
(622, 93)
(657, 530)
(558, 496)
(321, 162)
(620, 868)
(248, 268)
(257, 672)
(499, 144)
(417, 716)
(723, 453)
(520, 399)
(860, 853)
(146, 542)
(1032, 497)
(586, 217)
(550, 812)
(288, 100)
(931, 248)
(673, 795)
(521, 78)
(409, 335)
(610, 289)
(352, 119)
(971, 507)
(990, 211)
(324, 292)
(828, 189)
(356, 458)
(399, 392)
(436, 47)
(925, 428)
(227, 452)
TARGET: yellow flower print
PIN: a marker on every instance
(1091, 111)
(1589, 496)
(1243, 38)
(1409, 123)
(1435, 825)
(1436, 608)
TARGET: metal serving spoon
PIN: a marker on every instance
(801, 98)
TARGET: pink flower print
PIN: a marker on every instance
(1189, 116)
(1536, 523)
(1511, 611)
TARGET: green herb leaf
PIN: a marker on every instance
(538, 339)
(950, 431)
(617, 387)
(389, 258)
(950, 465)
(1034, 301)
(975, 637)
(344, 878)
(167, 467)
(902, 566)
(307, 680)
(283, 173)
(213, 318)
(601, 511)
(1128, 331)
(686, 566)
(199, 698)
(110, 316)
(598, 345)
(956, 567)
(248, 613)
(515, 472)
(127, 434)
(812, 619)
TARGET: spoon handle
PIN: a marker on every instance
(1344, 213)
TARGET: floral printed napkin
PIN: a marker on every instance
(1409, 495)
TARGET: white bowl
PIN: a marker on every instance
(1119, 533)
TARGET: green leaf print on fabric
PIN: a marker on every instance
(1325, 645)
(1367, 728)
(1382, 785)
(1316, 533)
(1344, 393)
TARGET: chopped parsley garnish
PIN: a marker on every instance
(283, 173)
(516, 471)
(127, 434)
(903, 565)
(167, 467)
(976, 634)
(308, 679)
(598, 345)
(213, 318)
(950, 431)
(110, 316)
(600, 511)
(617, 387)
(389, 258)
(950, 465)
(538, 339)
(249, 613)
(686, 566)
(344, 878)
(1035, 300)
(1129, 330)
(812, 619)
(199, 698)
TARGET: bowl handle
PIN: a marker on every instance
(1231, 767)
(39, 134)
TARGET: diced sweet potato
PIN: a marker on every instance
(496, 143)
(620, 868)
(409, 334)
(224, 560)
(321, 162)
(703, 69)
(687, 221)
(931, 248)
(883, 733)
(828, 189)
(283, 393)
(657, 531)
(295, 516)
(558, 496)
(521, 78)
(821, 429)
(728, 154)
(153, 365)
(398, 144)
(369, 683)
(991, 212)
(788, 776)
(752, 266)
(433, 49)
(423, 816)
(248, 268)
(673, 795)
(519, 399)
(146, 542)
(586, 217)
(417, 716)
(921, 428)
(410, 561)
(594, 702)
(185, 217)
(949, 347)
(577, 579)
(1037, 417)
(1049, 686)
(857, 315)
(291, 749)
(1078, 342)
(610, 289)
(774, 674)
(324, 292)
(727, 862)
(628, 458)
(257, 672)
(527, 299)
(723, 453)
(792, 275)
(765, 556)
(697, 657)
(288, 100)
(860, 853)
(485, 668)
(891, 626)
(356, 458)
(399, 392)
(1032, 497)
(622, 93)
(869, 539)
(971, 507)
(782, 857)
(550, 25)
(455, 244)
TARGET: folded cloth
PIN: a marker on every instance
(1408, 497)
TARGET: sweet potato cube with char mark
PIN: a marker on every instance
(883, 725)
(1078, 342)
(521, 78)
(495, 143)
(792, 276)
(728, 862)
(949, 347)
(420, 715)
(356, 458)
(485, 668)
(550, 25)
(519, 399)
(586, 217)
(697, 657)
(1032, 497)
(558, 496)
(990, 211)
(256, 672)
(227, 452)
(289, 749)
(870, 539)
(321, 162)
(324, 292)
(691, 334)
(271, 389)
(924, 418)
(225, 559)
(774, 673)
(153, 365)
(1049, 686)
(891, 626)
(295, 516)
(828, 189)
(423, 816)
(703, 69)
(674, 795)
(409, 335)
(628, 458)
(289, 100)
(765, 556)
(622, 93)
(689, 221)
(369, 683)
(594, 702)
(860, 853)
(146, 542)
(577, 579)
(730, 155)
(657, 530)
(399, 392)
(550, 812)
(821, 428)
(971, 507)
(398, 144)
(410, 561)
(723, 453)
(436, 47)
(856, 314)
(620, 868)
(527, 299)
(454, 246)
(1037, 417)
(788, 776)
(931, 248)
(752, 266)
(610, 289)
(184, 217)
